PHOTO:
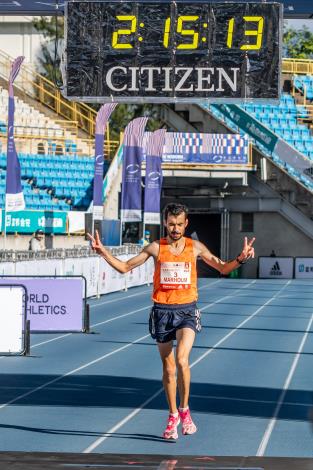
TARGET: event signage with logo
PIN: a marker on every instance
(276, 267)
(53, 304)
(249, 125)
(170, 51)
(304, 268)
(209, 149)
(30, 221)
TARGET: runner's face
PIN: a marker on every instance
(176, 226)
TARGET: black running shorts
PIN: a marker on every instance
(165, 320)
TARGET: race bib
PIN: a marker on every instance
(175, 275)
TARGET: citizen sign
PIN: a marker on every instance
(178, 79)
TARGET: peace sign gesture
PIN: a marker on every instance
(247, 251)
(96, 244)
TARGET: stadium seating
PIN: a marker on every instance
(53, 182)
(304, 83)
(283, 121)
(55, 177)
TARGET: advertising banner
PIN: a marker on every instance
(101, 121)
(246, 122)
(209, 149)
(304, 268)
(7, 268)
(200, 148)
(14, 198)
(30, 221)
(87, 267)
(52, 304)
(275, 267)
(290, 155)
(154, 177)
(109, 279)
(39, 267)
(131, 178)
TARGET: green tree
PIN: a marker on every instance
(298, 44)
(52, 29)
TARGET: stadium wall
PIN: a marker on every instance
(21, 242)
(272, 232)
(19, 37)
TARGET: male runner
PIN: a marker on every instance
(174, 314)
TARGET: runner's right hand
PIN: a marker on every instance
(96, 244)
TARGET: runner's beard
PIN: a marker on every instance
(175, 236)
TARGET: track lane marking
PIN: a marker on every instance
(268, 432)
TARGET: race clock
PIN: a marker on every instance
(172, 51)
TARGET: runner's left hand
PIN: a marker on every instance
(248, 250)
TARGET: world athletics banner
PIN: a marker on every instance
(209, 149)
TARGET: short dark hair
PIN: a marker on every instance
(175, 209)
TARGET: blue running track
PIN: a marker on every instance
(252, 380)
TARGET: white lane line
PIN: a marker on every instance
(146, 307)
(127, 418)
(271, 425)
(96, 304)
(78, 369)
(110, 319)
(50, 340)
(244, 400)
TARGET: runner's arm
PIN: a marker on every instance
(224, 267)
(121, 266)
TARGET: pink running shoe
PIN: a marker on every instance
(171, 428)
(188, 426)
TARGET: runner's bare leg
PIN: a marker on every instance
(169, 374)
(185, 338)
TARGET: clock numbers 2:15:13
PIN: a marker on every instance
(192, 34)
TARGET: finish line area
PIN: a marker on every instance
(101, 393)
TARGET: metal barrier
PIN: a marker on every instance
(14, 332)
(300, 66)
(62, 253)
(44, 288)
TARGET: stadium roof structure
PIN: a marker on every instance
(292, 8)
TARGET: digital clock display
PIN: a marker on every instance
(172, 51)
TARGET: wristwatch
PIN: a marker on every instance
(240, 261)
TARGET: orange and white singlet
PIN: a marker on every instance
(175, 276)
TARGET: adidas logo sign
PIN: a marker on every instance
(275, 271)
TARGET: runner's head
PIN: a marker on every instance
(176, 220)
